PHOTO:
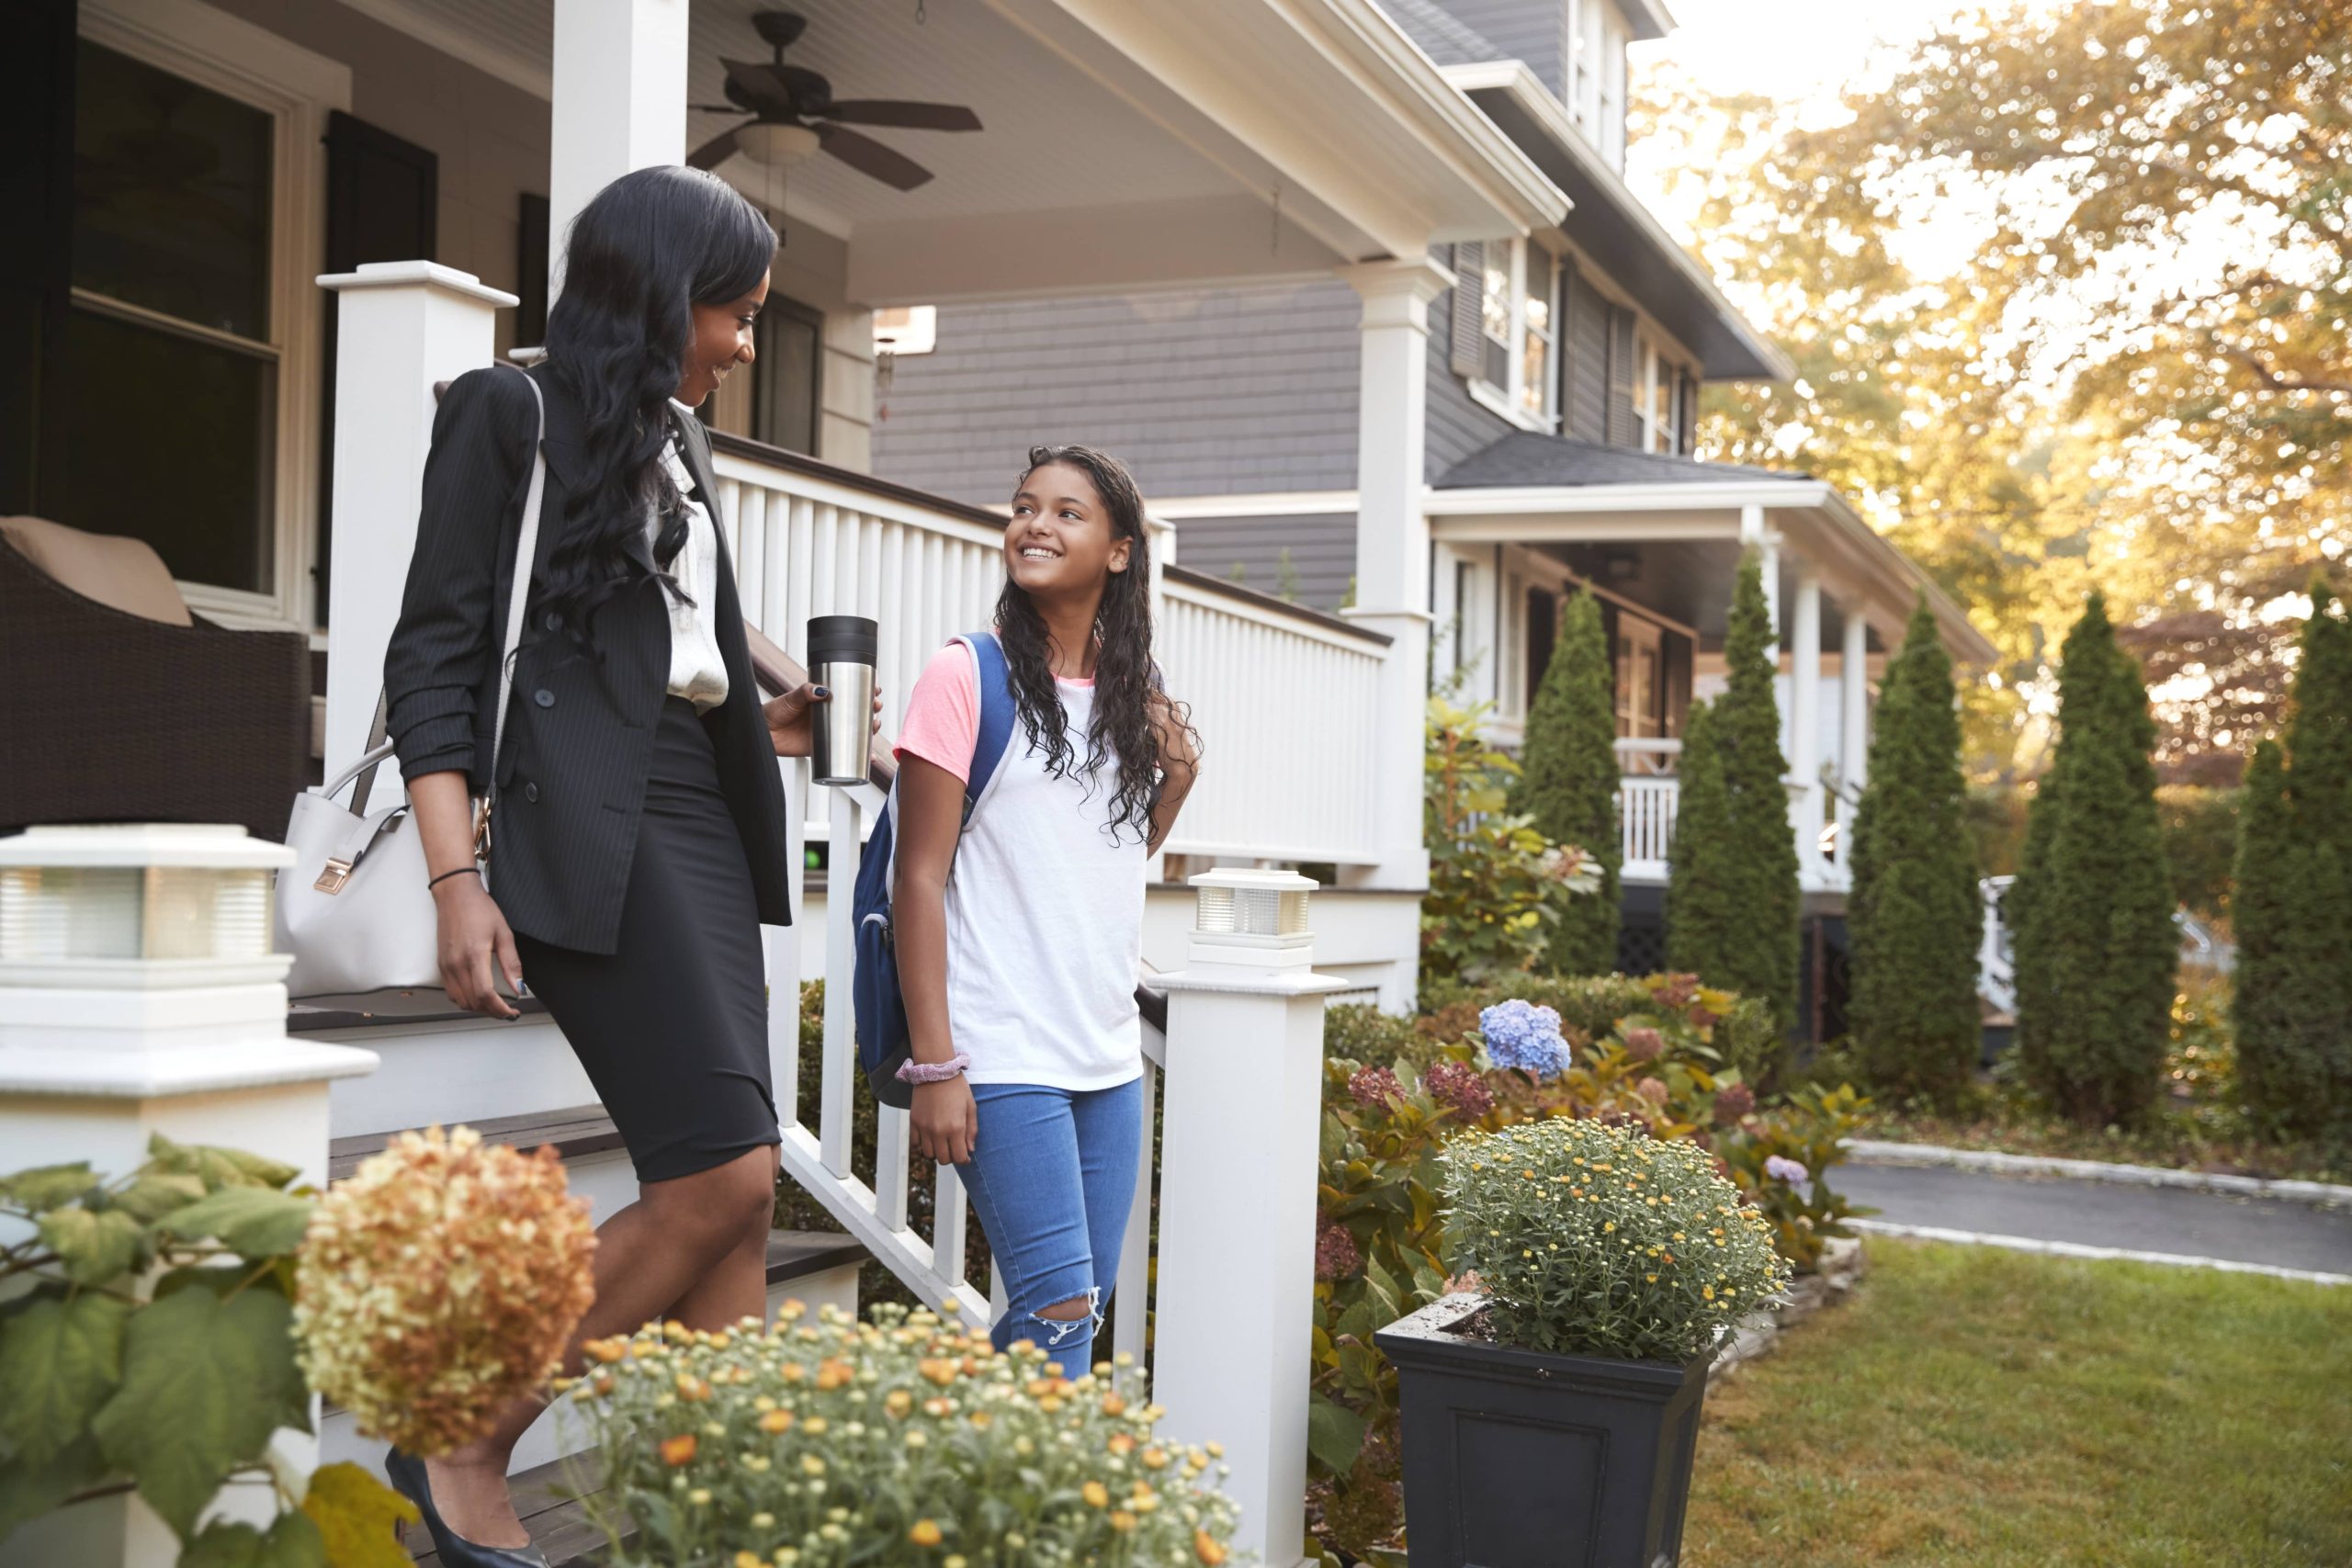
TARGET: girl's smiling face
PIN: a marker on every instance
(1060, 541)
(722, 338)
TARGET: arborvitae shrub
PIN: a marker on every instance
(1731, 899)
(1569, 782)
(1915, 917)
(2092, 905)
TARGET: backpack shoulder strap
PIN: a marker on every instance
(998, 712)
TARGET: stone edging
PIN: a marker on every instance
(1876, 1151)
(1841, 1265)
(2080, 1249)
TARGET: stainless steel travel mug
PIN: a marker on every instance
(842, 651)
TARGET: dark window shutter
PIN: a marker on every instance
(37, 58)
(1623, 429)
(1686, 414)
(531, 272)
(383, 204)
(1469, 308)
(1674, 688)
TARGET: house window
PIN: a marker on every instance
(1518, 315)
(1655, 403)
(906, 328)
(787, 375)
(170, 356)
(1595, 78)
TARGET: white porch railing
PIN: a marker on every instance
(1649, 755)
(1645, 808)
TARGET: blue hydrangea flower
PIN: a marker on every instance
(1520, 1035)
(1789, 1170)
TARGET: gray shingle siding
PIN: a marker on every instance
(1458, 424)
(1531, 31)
(1443, 35)
(1585, 347)
(1322, 552)
(1203, 392)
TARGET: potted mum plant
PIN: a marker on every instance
(1549, 1415)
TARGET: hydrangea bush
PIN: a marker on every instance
(1518, 1034)
(904, 1439)
(440, 1282)
(1594, 1240)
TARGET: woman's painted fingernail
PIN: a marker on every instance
(820, 693)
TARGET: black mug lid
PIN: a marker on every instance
(842, 640)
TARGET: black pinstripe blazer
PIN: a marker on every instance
(580, 727)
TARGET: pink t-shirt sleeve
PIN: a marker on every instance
(943, 722)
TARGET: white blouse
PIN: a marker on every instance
(698, 671)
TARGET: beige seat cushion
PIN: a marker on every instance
(125, 574)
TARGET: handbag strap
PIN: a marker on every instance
(517, 597)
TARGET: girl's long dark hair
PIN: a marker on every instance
(1123, 730)
(652, 245)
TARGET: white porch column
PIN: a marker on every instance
(139, 996)
(1804, 726)
(402, 326)
(1235, 1309)
(1393, 543)
(620, 103)
(1854, 732)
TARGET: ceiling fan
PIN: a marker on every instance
(795, 115)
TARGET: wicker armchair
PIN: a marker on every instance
(110, 717)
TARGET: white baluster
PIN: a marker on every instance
(842, 845)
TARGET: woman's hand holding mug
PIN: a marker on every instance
(792, 718)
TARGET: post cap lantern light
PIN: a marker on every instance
(137, 905)
(1256, 917)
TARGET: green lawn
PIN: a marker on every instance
(1989, 1409)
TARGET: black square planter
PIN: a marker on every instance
(1515, 1459)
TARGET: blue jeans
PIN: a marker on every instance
(1052, 1176)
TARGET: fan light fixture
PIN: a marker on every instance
(778, 146)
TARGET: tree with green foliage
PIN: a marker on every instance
(2292, 1005)
(1568, 782)
(1915, 916)
(2092, 905)
(1731, 900)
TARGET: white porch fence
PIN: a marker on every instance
(1649, 800)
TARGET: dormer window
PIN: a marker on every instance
(1594, 80)
(1506, 316)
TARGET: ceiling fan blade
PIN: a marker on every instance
(911, 117)
(757, 83)
(869, 157)
(715, 151)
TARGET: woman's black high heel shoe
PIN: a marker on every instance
(407, 1475)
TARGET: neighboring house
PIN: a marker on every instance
(1559, 391)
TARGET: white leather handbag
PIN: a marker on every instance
(354, 908)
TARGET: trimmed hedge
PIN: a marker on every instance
(1569, 782)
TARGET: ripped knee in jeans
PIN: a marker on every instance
(1057, 1329)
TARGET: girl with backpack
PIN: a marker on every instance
(1019, 969)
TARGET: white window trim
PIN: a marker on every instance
(1651, 362)
(1503, 401)
(297, 88)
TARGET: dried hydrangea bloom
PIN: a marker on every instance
(1643, 1044)
(1336, 1254)
(1371, 1086)
(440, 1282)
(1732, 1103)
(1459, 1084)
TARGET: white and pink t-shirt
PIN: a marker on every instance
(1044, 906)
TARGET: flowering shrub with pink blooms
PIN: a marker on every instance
(440, 1281)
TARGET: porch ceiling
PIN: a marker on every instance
(1125, 144)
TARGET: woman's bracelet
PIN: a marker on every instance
(448, 875)
(912, 1071)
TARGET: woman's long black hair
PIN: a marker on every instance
(1124, 730)
(650, 246)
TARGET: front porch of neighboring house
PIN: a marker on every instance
(1657, 540)
(210, 165)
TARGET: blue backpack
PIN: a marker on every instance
(883, 1043)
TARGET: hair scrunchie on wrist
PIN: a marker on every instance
(912, 1071)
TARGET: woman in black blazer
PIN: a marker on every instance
(639, 832)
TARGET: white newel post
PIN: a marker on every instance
(1243, 1107)
(1392, 545)
(1854, 732)
(402, 326)
(139, 994)
(1805, 726)
(619, 76)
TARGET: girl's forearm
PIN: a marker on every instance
(919, 927)
(443, 810)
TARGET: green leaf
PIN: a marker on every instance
(46, 1187)
(358, 1516)
(205, 1381)
(95, 1248)
(153, 1195)
(256, 1222)
(293, 1542)
(1334, 1434)
(28, 1491)
(216, 1167)
(59, 1361)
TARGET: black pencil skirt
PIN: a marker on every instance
(673, 1027)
